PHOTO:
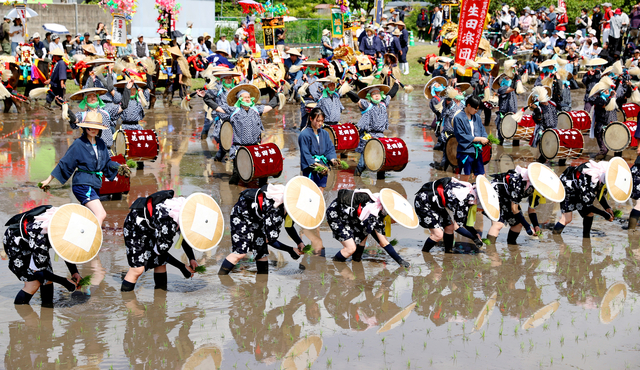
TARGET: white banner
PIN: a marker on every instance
(118, 30)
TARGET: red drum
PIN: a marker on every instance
(119, 185)
(386, 154)
(576, 119)
(618, 136)
(628, 112)
(562, 144)
(345, 136)
(138, 145)
(513, 130)
(257, 161)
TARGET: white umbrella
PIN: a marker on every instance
(14, 13)
(55, 28)
(289, 19)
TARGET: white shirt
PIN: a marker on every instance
(99, 50)
(437, 19)
(55, 45)
(18, 37)
(224, 45)
(472, 127)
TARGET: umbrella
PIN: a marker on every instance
(249, 5)
(55, 28)
(289, 19)
(14, 13)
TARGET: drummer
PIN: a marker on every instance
(505, 84)
(256, 219)
(353, 216)
(602, 97)
(544, 111)
(373, 104)
(137, 98)
(90, 160)
(435, 91)
(316, 150)
(453, 103)
(148, 231)
(244, 116)
(27, 245)
(328, 99)
(432, 203)
(307, 88)
(217, 97)
(90, 101)
(512, 186)
(548, 69)
(481, 79)
(471, 136)
(583, 185)
(590, 79)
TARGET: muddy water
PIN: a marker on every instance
(564, 302)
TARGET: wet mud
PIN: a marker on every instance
(550, 302)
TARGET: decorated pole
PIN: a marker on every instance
(472, 18)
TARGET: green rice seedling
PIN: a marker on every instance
(85, 281)
(493, 140)
(200, 269)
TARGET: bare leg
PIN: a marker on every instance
(96, 207)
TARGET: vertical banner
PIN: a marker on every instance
(562, 5)
(472, 17)
(119, 30)
(379, 11)
(337, 23)
(251, 32)
(269, 26)
(446, 13)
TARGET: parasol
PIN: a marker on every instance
(249, 5)
(55, 28)
(289, 19)
(14, 13)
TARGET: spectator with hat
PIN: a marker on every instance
(55, 43)
(561, 20)
(422, 23)
(97, 44)
(404, 45)
(371, 44)
(207, 41)
(141, 49)
(38, 46)
(327, 49)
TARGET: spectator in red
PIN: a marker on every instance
(561, 20)
(515, 41)
(606, 26)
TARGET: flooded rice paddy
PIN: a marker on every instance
(554, 302)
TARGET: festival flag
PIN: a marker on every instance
(472, 17)
(379, 10)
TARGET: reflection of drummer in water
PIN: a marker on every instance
(89, 158)
(244, 116)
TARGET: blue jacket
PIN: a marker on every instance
(376, 46)
(58, 73)
(81, 155)
(462, 130)
(294, 76)
(218, 59)
(309, 147)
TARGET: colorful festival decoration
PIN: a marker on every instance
(249, 6)
(472, 18)
(126, 7)
(168, 14)
(277, 10)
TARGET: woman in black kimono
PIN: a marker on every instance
(431, 204)
(256, 220)
(583, 185)
(148, 232)
(27, 245)
(353, 216)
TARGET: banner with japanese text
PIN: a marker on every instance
(562, 5)
(119, 30)
(472, 17)
(337, 23)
